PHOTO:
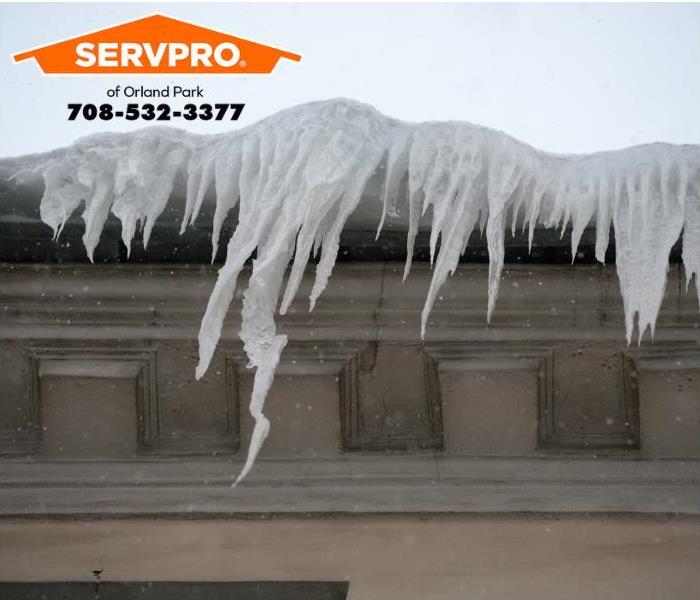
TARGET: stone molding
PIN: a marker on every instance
(536, 303)
(137, 364)
(350, 484)
(91, 309)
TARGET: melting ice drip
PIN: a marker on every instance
(298, 175)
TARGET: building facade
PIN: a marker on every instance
(537, 457)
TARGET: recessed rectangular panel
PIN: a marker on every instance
(491, 411)
(593, 401)
(391, 400)
(669, 401)
(18, 411)
(88, 417)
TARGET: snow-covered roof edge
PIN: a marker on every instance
(298, 175)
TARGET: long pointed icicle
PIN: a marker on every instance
(298, 176)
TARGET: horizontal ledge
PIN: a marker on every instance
(353, 466)
(358, 332)
(445, 499)
(355, 484)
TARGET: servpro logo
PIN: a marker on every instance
(156, 44)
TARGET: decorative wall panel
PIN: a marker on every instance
(594, 401)
(390, 400)
(77, 389)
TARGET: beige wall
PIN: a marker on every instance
(407, 557)
(534, 411)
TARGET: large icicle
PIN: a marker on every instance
(299, 175)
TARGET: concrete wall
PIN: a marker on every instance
(539, 457)
(84, 346)
(412, 558)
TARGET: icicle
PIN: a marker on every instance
(502, 182)
(63, 194)
(96, 211)
(226, 175)
(691, 243)
(396, 166)
(331, 241)
(583, 207)
(298, 176)
(603, 217)
(259, 333)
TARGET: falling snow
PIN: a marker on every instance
(298, 175)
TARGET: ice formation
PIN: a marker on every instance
(298, 175)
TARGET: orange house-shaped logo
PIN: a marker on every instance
(156, 44)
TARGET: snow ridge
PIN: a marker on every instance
(298, 175)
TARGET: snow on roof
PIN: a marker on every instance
(298, 176)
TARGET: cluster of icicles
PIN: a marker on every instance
(298, 176)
